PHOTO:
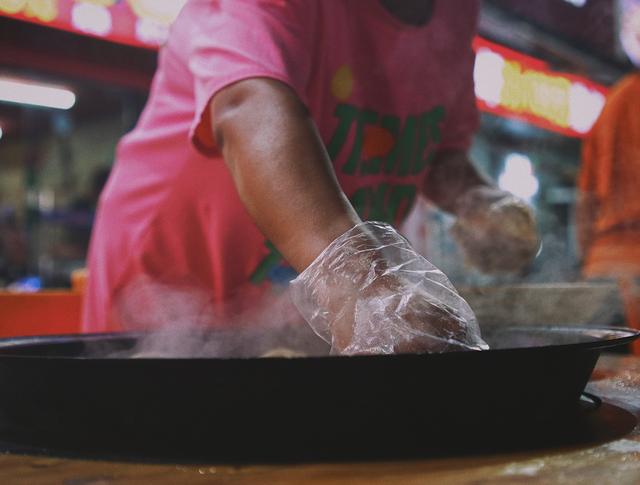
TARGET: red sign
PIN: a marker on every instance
(513, 85)
(143, 23)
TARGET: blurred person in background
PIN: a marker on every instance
(608, 207)
(83, 209)
(69, 250)
(273, 129)
(13, 249)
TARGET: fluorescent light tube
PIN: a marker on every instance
(27, 92)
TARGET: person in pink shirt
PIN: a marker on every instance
(272, 130)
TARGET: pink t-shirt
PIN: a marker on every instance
(385, 96)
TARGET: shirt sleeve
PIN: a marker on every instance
(232, 40)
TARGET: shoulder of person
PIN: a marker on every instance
(626, 86)
(622, 100)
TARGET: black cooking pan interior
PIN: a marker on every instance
(53, 395)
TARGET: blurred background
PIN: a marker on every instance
(74, 76)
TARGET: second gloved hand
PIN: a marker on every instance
(496, 230)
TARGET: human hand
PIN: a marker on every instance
(496, 230)
(369, 292)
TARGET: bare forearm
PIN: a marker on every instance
(280, 167)
(451, 175)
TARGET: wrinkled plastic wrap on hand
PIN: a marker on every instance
(369, 292)
(496, 230)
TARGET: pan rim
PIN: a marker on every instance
(627, 335)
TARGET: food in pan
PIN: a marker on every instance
(283, 352)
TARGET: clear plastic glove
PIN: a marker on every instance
(496, 230)
(369, 292)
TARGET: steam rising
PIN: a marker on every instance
(182, 321)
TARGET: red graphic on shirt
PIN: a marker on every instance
(378, 142)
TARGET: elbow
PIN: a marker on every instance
(253, 106)
(225, 110)
(246, 117)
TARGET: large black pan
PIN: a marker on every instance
(528, 385)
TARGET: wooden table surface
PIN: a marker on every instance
(616, 380)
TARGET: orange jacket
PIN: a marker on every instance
(610, 175)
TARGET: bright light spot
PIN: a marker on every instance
(585, 106)
(488, 77)
(577, 3)
(518, 177)
(630, 31)
(1, 133)
(27, 92)
(151, 32)
(160, 11)
(91, 18)
(46, 200)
